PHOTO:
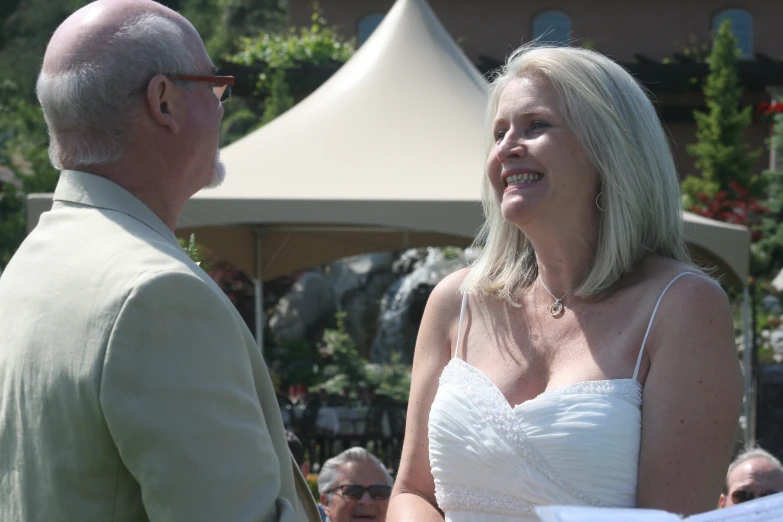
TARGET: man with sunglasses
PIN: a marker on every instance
(354, 485)
(753, 474)
(131, 388)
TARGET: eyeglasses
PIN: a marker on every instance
(221, 85)
(355, 491)
(742, 495)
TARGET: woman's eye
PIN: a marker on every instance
(538, 125)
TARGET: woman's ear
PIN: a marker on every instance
(161, 99)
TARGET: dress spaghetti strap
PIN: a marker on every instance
(459, 328)
(649, 325)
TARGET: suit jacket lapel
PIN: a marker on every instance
(99, 192)
(305, 494)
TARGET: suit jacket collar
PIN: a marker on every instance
(99, 192)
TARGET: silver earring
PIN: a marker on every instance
(596, 201)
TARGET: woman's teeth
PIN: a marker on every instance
(527, 177)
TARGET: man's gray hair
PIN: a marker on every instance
(327, 478)
(750, 454)
(89, 106)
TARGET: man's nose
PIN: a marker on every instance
(365, 497)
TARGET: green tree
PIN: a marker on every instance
(279, 99)
(24, 33)
(769, 250)
(275, 53)
(24, 151)
(722, 155)
(222, 22)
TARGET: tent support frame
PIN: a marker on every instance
(259, 289)
(747, 363)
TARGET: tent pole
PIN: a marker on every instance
(259, 291)
(746, 362)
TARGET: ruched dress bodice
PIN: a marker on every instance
(577, 445)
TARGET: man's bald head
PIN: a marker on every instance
(84, 35)
(96, 67)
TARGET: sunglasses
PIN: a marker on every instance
(221, 85)
(355, 491)
(742, 495)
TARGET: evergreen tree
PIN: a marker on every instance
(722, 155)
(768, 252)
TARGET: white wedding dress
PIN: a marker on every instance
(575, 445)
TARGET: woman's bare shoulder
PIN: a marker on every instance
(656, 272)
(691, 307)
(446, 297)
(441, 315)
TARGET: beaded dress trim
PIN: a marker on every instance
(458, 497)
(494, 407)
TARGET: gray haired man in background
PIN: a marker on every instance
(753, 474)
(354, 485)
(130, 388)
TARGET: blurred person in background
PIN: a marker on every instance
(354, 485)
(753, 474)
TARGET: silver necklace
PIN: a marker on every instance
(557, 309)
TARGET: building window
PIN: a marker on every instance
(552, 27)
(367, 25)
(741, 26)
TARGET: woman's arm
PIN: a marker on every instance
(692, 399)
(413, 498)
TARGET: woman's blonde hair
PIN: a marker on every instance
(619, 131)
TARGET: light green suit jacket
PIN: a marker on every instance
(130, 387)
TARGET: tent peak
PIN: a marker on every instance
(371, 131)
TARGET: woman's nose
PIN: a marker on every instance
(510, 148)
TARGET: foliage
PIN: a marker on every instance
(768, 252)
(696, 51)
(279, 99)
(335, 367)
(23, 150)
(221, 22)
(339, 348)
(394, 379)
(736, 206)
(191, 250)
(316, 44)
(722, 154)
(450, 252)
(277, 52)
(24, 34)
(766, 112)
(312, 482)
(297, 362)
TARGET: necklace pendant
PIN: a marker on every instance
(556, 309)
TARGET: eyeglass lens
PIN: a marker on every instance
(741, 495)
(222, 92)
(355, 491)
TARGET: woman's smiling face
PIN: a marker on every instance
(536, 165)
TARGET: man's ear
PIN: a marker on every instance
(722, 501)
(161, 100)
